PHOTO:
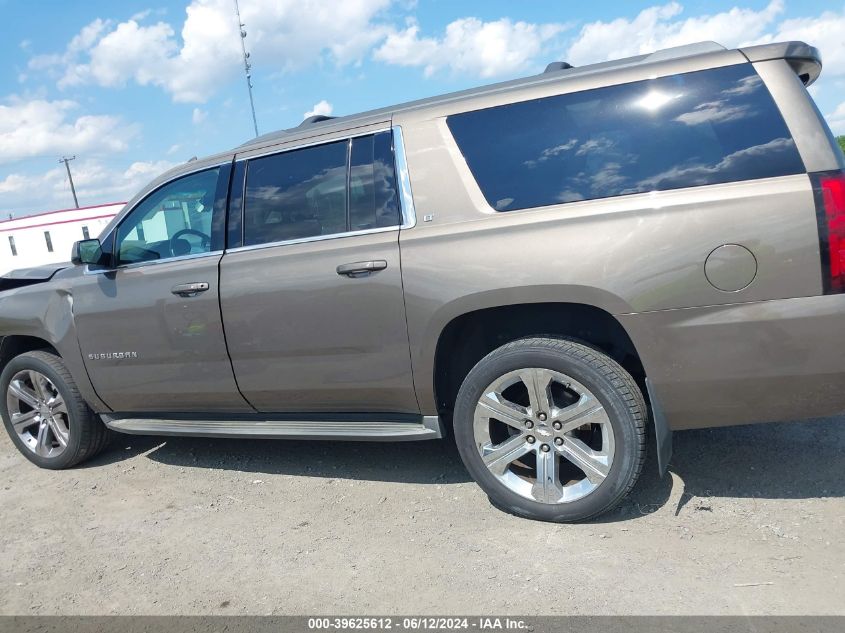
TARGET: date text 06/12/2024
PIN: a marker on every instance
(420, 623)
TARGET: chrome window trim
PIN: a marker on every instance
(151, 262)
(348, 195)
(403, 180)
(292, 148)
(313, 238)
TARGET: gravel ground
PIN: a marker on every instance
(750, 521)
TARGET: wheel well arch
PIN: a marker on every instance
(469, 337)
(15, 345)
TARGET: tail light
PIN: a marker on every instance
(830, 208)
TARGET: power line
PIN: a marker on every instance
(66, 161)
(247, 66)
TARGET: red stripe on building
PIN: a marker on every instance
(43, 213)
(35, 226)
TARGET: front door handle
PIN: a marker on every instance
(190, 290)
(361, 269)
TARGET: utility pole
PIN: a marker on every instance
(247, 66)
(66, 160)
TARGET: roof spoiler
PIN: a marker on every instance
(804, 59)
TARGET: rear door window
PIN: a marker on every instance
(373, 202)
(699, 128)
(330, 189)
(295, 195)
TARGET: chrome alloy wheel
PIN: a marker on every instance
(38, 413)
(544, 435)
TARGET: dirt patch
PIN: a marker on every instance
(750, 521)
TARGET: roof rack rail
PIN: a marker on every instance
(686, 50)
(675, 52)
(555, 66)
(315, 119)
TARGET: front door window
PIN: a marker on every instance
(174, 221)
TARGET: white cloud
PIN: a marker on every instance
(487, 49)
(111, 57)
(141, 15)
(659, 27)
(67, 61)
(282, 35)
(38, 127)
(198, 116)
(323, 107)
(96, 182)
(702, 173)
(192, 58)
(714, 112)
(836, 119)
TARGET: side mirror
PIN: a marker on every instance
(87, 252)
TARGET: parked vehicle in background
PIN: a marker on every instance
(551, 268)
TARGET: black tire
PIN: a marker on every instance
(88, 435)
(609, 382)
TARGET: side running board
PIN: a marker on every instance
(377, 428)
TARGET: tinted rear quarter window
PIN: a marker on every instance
(687, 130)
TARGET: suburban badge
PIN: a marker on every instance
(112, 355)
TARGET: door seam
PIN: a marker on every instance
(223, 328)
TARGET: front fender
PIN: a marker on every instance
(45, 311)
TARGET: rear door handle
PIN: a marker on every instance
(190, 290)
(361, 269)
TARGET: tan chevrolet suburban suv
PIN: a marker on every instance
(550, 269)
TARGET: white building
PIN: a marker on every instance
(46, 238)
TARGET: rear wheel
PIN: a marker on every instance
(45, 415)
(551, 429)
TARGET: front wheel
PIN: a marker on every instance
(551, 429)
(45, 415)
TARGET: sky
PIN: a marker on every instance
(135, 87)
